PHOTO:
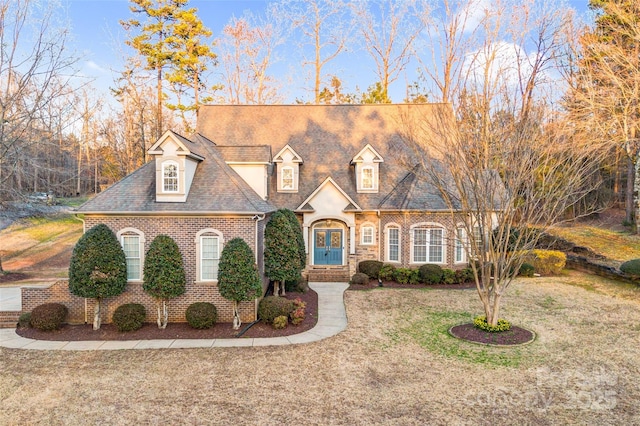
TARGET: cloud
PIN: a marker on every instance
(95, 67)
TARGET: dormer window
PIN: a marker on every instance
(170, 176)
(287, 178)
(367, 178)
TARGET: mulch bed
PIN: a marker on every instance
(9, 277)
(515, 336)
(180, 330)
(392, 284)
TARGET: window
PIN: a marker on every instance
(287, 178)
(428, 245)
(132, 241)
(393, 244)
(367, 178)
(210, 257)
(460, 246)
(209, 247)
(367, 234)
(170, 177)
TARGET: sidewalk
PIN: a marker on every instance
(332, 319)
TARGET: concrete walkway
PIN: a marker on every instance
(332, 319)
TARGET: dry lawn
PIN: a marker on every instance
(394, 364)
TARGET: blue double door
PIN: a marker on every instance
(327, 246)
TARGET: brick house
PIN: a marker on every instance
(345, 170)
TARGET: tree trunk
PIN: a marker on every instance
(492, 310)
(636, 192)
(629, 205)
(163, 313)
(236, 316)
(1, 270)
(96, 315)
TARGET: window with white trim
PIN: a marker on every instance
(367, 178)
(393, 244)
(460, 249)
(367, 234)
(209, 248)
(132, 241)
(170, 176)
(428, 245)
(287, 178)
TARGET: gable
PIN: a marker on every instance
(328, 197)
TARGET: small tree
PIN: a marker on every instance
(164, 276)
(238, 278)
(98, 268)
(281, 253)
(297, 229)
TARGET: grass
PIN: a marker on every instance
(615, 245)
(393, 364)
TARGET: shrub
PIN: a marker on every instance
(49, 316)
(386, 272)
(298, 285)
(272, 307)
(24, 321)
(280, 322)
(464, 275)
(431, 274)
(406, 276)
(481, 323)
(371, 268)
(282, 257)
(549, 262)
(360, 278)
(238, 278)
(129, 317)
(98, 267)
(631, 267)
(201, 315)
(448, 276)
(526, 270)
(298, 314)
(164, 276)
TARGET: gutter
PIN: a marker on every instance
(257, 218)
(172, 213)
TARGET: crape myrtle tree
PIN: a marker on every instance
(282, 252)
(238, 278)
(508, 165)
(164, 276)
(98, 268)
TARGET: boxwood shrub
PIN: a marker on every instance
(370, 267)
(272, 307)
(129, 317)
(431, 274)
(49, 316)
(526, 270)
(360, 278)
(201, 315)
(631, 267)
(386, 272)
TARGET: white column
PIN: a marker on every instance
(352, 239)
(305, 235)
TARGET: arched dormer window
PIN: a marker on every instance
(169, 176)
(367, 178)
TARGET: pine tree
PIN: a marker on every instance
(238, 278)
(164, 276)
(98, 267)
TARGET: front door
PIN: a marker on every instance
(327, 247)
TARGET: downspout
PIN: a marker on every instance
(257, 218)
(379, 236)
(84, 230)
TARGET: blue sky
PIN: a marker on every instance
(99, 39)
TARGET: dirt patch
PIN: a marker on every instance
(151, 331)
(514, 336)
(10, 277)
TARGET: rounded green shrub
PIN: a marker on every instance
(631, 267)
(24, 320)
(370, 267)
(129, 317)
(49, 316)
(526, 270)
(280, 322)
(360, 278)
(481, 323)
(202, 315)
(464, 275)
(386, 272)
(431, 274)
(448, 276)
(272, 307)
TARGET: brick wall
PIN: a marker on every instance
(183, 230)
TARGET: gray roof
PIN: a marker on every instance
(216, 188)
(327, 137)
(246, 154)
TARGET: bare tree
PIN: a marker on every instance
(508, 166)
(389, 33)
(247, 51)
